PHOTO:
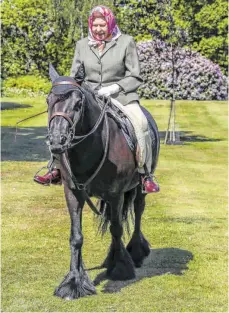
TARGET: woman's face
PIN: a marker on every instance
(99, 28)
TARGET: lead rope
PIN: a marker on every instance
(27, 118)
(82, 186)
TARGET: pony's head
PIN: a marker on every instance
(65, 109)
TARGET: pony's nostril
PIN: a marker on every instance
(63, 138)
(49, 140)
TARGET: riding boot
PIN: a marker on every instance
(53, 176)
(149, 185)
(149, 182)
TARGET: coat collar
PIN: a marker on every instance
(109, 45)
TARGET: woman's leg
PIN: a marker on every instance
(144, 147)
(142, 132)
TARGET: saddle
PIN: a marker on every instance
(125, 125)
(117, 115)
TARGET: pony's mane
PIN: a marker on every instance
(89, 93)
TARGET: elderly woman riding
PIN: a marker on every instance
(112, 69)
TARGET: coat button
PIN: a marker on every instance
(99, 62)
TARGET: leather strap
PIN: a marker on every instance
(63, 115)
(65, 82)
(83, 191)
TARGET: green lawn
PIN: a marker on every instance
(186, 223)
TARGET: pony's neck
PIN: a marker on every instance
(91, 113)
(87, 155)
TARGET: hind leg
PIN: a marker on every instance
(118, 262)
(138, 247)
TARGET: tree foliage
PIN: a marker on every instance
(206, 20)
(36, 32)
(25, 27)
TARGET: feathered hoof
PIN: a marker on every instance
(75, 286)
(138, 248)
(121, 272)
(120, 265)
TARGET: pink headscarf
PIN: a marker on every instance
(113, 30)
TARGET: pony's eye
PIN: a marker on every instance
(78, 106)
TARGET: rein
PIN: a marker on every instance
(82, 186)
(79, 185)
(83, 137)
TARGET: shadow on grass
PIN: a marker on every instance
(13, 105)
(186, 136)
(159, 262)
(29, 145)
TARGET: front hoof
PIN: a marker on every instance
(121, 266)
(138, 248)
(121, 271)
(75, 286)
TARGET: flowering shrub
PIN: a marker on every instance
(196, 78)
(21, 92)
(26, 86)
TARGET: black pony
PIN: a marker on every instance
(96, 161)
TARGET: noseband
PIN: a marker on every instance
(66, 116)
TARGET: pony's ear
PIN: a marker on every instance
(53, 73)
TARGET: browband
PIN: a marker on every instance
(65, 82)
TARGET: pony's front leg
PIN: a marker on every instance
(76, 283)
(138, 247)
(118, 262)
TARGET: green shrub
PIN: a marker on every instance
(29, 83)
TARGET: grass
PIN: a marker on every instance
(186, 223)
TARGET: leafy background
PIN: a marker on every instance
(36, 32)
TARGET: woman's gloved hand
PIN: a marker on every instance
(109, 90)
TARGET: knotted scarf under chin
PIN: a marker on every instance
(101, 45)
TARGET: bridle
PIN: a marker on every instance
(76, 140)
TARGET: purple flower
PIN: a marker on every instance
(195, 77)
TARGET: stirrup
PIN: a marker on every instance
(154, 181)
(44, 167)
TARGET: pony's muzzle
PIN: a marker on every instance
(57, 149)
(57, 143)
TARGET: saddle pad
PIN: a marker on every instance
(124, 123)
